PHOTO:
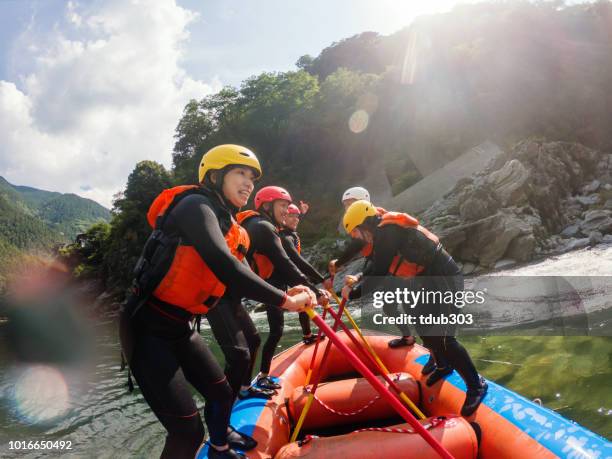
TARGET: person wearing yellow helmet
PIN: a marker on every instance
(358, 247)
(405, 249)
(193, 257)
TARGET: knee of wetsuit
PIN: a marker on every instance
(449, 342)
(221, 390)
(275, 334)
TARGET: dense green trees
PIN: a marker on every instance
(110, 250)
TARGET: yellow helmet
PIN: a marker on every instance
(356, 214)
(227, 155)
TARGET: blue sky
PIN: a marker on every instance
(232, 39)
(89, 88)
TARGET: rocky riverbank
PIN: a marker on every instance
(539, 199)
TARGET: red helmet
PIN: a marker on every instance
(269, 194)
(293, 210)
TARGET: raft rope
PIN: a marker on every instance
(440, 421)
(340, 413)
(352, 413)
(435, 422)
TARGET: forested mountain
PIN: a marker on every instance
(62, 216)
(38, 219)
(406, 103)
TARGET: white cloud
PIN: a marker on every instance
(106, 91)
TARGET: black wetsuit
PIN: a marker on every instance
(265, 240)
(441, 273)
(291, 241)
(238, 339)
(168, 355)
(352, 250)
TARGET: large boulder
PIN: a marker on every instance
(477, 203)
(510, 183)
(490, 238)
(591, 187)
(588, 201)
(597, 220)
(558, 170)
(522, 248)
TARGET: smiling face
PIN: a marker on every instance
(280, 211)
(238, 185)
(291, 221)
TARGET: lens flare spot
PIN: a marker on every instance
(358, 122)
(41, 394)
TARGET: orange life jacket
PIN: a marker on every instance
(399, 266)
(298, 244)
(190, 283)
(367, 249)
(260, 264)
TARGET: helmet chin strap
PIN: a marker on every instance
(270, 214)
(217, 188)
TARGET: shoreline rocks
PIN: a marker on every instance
(541, 198)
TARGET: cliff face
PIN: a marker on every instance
(540, 198)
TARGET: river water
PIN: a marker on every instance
(73, 389)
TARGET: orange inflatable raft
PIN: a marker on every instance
(349, 418)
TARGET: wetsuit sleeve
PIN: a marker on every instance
(268, 243)
(367, 266)
(299, 261)
(351, 251)
(386, 243)
(195, 219)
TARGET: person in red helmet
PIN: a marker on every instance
(270, 261)
(293, 246)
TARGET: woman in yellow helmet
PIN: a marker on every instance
(403, 248)
(190, 260)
